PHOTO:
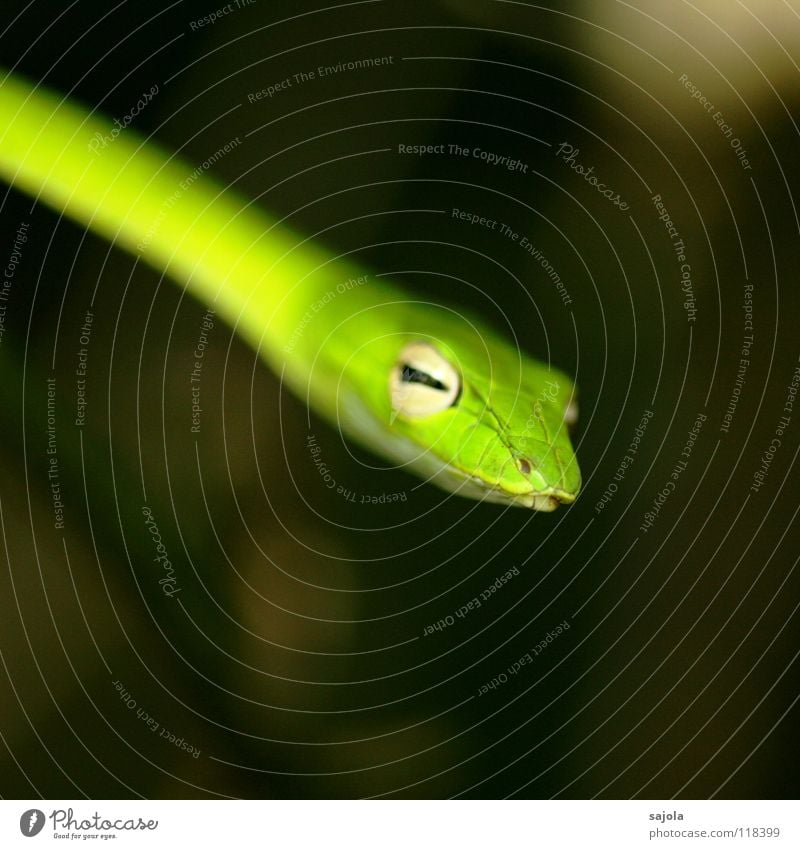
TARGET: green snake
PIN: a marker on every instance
(429, 388)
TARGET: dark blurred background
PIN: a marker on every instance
(295, 658)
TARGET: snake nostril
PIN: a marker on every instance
(524, 466)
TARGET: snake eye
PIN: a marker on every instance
(423, 382)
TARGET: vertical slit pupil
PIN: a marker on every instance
(409, 374)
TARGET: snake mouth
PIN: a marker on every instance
(543, 502)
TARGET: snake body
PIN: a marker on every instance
(425, 386)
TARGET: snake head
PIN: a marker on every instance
(491, 428)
